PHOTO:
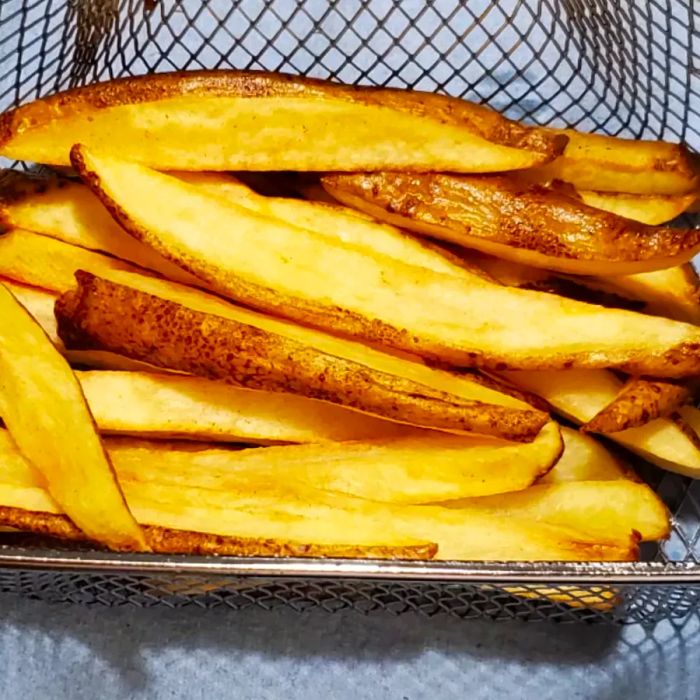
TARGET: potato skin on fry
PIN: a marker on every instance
(163, 540)
(210, 120)
(639, 401)
(528, 223)
(104, 315)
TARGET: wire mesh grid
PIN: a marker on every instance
(624, 68)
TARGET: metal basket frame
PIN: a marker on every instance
(623, 68)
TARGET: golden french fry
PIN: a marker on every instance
(579, 395)
(500, 216)
(610, 164)
(335, 222)
(599, 508)
(307, 515)
(375, 299)
(585, 459)
(409, 469)
(673, 293)
(47, 416)
(103, 315)
(212, 121)
(148, 404)
(649, 209)
(639, 401)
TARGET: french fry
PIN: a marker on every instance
(52, 266)
(377, 300)
(647, 208)
(585, 459)
(530, 225)
(596, 507)
(219, 343)
(579, 395)
(69, 211)
(639, 402)
(610, 164)
(45, 411)
(310, 516)
(672, 293)
(336, 223)
(40, 261)
(212, 121)
(185, 407)
(410, 469)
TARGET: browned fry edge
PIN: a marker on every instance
(167, 541)
(230, 83)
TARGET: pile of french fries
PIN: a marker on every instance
(372, 365)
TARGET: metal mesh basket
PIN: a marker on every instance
(624, 68)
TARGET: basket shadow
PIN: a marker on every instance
(123, 638)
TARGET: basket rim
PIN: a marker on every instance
(603, 573)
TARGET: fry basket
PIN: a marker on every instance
(623, 67)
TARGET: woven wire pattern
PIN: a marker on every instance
(624, 68)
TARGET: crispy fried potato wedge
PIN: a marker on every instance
(40, 304)
(307, 515)
(147, 404)
(610, 164)
(585, 459)
(647, 208)
(101, 314)
(440, 317)
(53, 266)
(411, 469)
(527, 224)
(211, 121)
(22, 252)
(335, 222)
(596, 507)
(639, 401)
(578, 395)
(25, 502)
(67, 210)
(672, 293)
(47, 416)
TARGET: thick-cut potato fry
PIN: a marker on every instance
(67, 210)
(610, 164)
(100, 314)
(40, 304)
(25, 503)
(648, 208)
(412, 469)
(585, 459)
(639, 402)
(20, 250)
(527, 224)
(336, 222)
(596, 507)
(45, 411)
(673, 293)
(579, 395)
(307, 515)
(147, 404)
(291, 271)
(41, 267)
(199, 120)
